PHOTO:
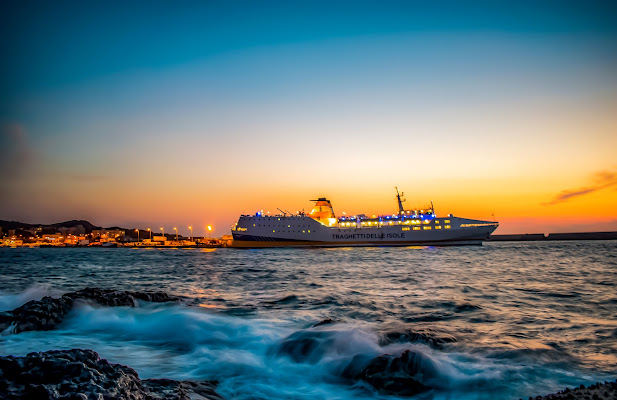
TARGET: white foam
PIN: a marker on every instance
(10, 301)
(179, 342)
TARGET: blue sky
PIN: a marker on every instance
(295, 92)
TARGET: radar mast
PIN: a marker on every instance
(400, 200)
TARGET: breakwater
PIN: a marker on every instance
(554, 236)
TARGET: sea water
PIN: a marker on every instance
(529, 318)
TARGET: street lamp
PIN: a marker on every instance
(176, 229)
(137, 230)
(163, 233)
(191, 228)
(209, 230)
(150, 234)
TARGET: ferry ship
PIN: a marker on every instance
(322, 228)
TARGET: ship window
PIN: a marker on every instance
(447, 226)
(416, 228)
(436, 221)
(438, 227)
(303, 231)
(447, 221)
(273, 231)
(406, 228)
(309, 231)
(253, 224)
(426, 221)
(427, 228)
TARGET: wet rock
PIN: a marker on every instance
(111, 298)
(82, 374)
(597, 391)
(433, 338)
(405, 375)
(313, 344)
(301, 347)
(45, 314)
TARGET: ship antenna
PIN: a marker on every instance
(432, 208)
(284, 213)
(401, 210)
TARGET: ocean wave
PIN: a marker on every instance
(255, 358)
(10, 301)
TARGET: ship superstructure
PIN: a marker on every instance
(321, 227)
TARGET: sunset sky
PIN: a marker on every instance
(162, 114)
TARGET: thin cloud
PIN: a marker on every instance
(601, 179)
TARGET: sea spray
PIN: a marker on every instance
(9, 301)
(264, 358)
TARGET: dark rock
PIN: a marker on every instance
(604, 391)
(47, 313)
(406, 375)
(81, 374)
(301, 349)
(313, 344)
(113, 298)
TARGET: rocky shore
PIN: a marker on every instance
(597, 391)
(81, 374)
(47, 313)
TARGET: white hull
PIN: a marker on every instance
(302, 231)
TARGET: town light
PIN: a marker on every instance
(176, 229)
(137, 230)
(191, 228)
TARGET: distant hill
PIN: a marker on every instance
(9, 225)
(74, 222)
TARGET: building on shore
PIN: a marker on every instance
(107, 233)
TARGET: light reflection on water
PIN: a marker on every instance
(531, 316)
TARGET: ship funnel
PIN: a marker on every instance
(323, 212)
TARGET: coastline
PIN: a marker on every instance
(81, 373)
(596, 391)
